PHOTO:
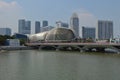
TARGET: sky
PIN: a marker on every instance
(59, 10)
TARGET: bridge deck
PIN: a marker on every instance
(71, 43)
(80, 46)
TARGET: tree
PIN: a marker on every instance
(3, 38)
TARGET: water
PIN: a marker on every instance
(56, 65)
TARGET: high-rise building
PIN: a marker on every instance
(88, 32)
(5, 31)
(45, 23)
(21, 26)
(37, 27)
(74, 24)
(62, 24)
(27, 27)
(24, 26)
(104, 30)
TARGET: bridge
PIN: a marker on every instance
(75, 46)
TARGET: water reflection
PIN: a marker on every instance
(55, 65)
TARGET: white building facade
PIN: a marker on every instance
(13, 42)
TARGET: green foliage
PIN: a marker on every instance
(3, 38)
(22, 41)
(89, 40)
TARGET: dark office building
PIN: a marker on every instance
(45, 23)
(104, 29)
(88, 32)
(37, 27)
(24, 27)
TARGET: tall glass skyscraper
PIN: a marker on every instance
(45, 23)
(74, 24)
(27, 27)
(24, 27)
(37, 27)
(104, 30)
(21, 26)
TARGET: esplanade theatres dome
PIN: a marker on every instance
(56, 34)
(60, 34)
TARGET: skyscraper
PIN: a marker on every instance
(24, 27)
(74, 24)
(21, 26)
(37, 27)
(45, 23)
(27, 27)
(104, 30)
(88, 32)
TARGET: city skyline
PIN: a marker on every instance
(39, 10)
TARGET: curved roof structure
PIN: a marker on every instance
(38, 37)
(60, 34)
(56, 34)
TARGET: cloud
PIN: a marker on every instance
(5, 4)
(10, 12)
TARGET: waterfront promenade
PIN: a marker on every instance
(14, 48)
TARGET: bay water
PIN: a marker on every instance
(58, 65)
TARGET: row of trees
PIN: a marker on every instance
(3, 39)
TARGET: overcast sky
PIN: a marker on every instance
(55, 10)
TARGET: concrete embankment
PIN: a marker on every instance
(14, 48)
